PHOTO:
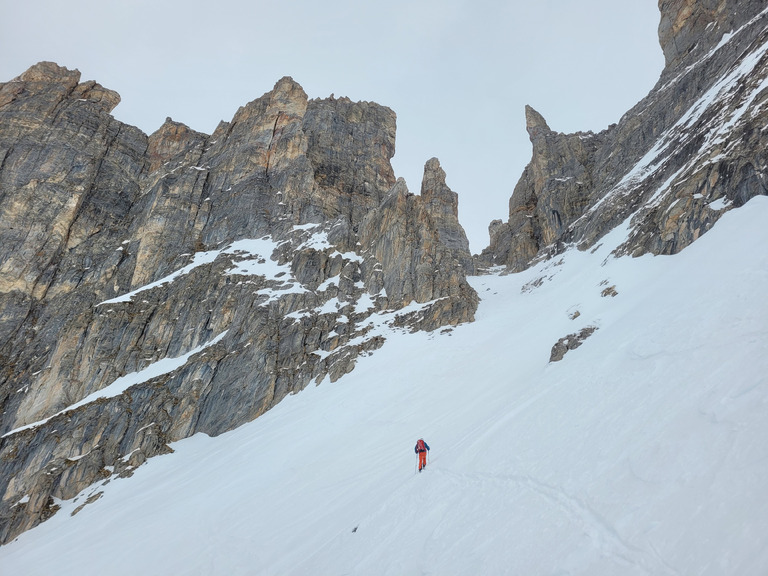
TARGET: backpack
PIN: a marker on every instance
(420, 446)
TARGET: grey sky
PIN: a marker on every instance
(458, 73)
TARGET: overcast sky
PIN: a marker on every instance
(458, 73)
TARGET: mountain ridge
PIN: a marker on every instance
(220, 273)
(284, 232)
(693, 142)
(640, 453)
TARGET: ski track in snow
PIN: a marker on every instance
(604, 536)
(640, 453)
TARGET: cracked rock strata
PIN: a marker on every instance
(152, 287)
(692, 149)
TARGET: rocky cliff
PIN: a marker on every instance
(152, 287)
(156, 286)
(694, 148)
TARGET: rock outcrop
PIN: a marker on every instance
(570, 342)
(692, 149)
(152, 287)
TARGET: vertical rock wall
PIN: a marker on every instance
(156, 286)
(690, 150)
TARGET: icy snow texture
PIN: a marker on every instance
(642, 452)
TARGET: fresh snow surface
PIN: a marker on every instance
(643, 452)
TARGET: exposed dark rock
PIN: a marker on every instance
(423, 249)
(570, 342)
(193, 280)
(201, 278)
(692, 149)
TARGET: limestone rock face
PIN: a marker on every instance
(422, 248)
(552, 192)
(361, 169)
(152, 287)
(686, 29)
(692, 149)
(442, 204)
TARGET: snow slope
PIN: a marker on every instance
(642, 452)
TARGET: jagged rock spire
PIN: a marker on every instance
(686, 152)
(250, 261)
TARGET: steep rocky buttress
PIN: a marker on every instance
(152, 287)
(694, 148)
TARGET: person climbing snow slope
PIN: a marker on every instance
(421, 449)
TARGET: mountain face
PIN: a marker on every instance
(152, 287)
(692, 149)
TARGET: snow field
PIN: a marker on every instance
(641, 452)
